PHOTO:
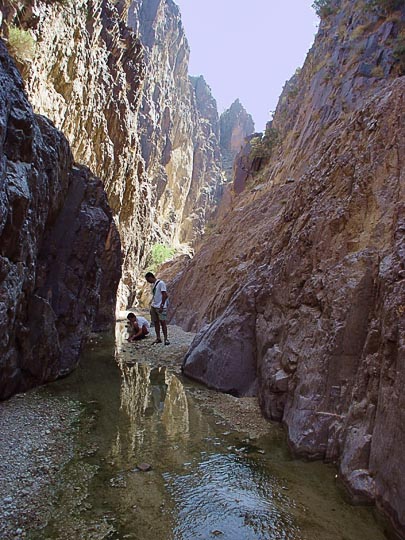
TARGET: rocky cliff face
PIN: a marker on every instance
(59, 249)
(178, 125)
(114, 78)
(208, 179)
(299, 294)
(235, 125)
(86, 72)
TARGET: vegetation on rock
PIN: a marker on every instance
(159, 254)
(323, 8)
(386, 6)
(21, 44)
(263, 146)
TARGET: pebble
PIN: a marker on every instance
(144, 467)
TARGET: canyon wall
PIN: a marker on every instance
(178, 127)
(298, 295)
(60, 253)
(235, 125)
(114, 78)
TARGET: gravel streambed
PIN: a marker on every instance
(36, 439)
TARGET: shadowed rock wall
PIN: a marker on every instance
(59, 250)
(305, 277)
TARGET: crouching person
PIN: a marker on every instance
(138, 327)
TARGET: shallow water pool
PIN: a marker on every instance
(205, 480)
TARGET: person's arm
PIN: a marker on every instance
(164, 298)
(136, 331)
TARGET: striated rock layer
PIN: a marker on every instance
(59, 250)
(114, 78)
(300, 292)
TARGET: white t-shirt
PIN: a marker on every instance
(143, 322)
(158, 287)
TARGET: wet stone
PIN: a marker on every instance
(144, 467)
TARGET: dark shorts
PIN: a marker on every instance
(157, 315)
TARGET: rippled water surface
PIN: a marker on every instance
(205, 482)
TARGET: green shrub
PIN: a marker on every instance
(21, 44)
(323, 8)
(262, 147)
(158, 255)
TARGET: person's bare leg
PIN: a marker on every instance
(157, 330)
(164, 328)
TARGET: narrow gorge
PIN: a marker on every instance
(117, 86)
(290, 265)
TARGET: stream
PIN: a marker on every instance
(155, 460)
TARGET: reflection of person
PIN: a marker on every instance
(158, 307)
(138, 327)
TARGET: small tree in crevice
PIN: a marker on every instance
(262, 147)
(21, 44)
(323, 8)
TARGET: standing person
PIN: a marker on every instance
(139, 327)
(158, 307)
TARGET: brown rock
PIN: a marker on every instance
(235, 125)
(117, 85)
(144, 467)
(223, 354)
(320, 260)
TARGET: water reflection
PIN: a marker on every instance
(203, 483)
(176, 412)
(156, 407)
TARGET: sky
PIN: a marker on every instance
(248, 49)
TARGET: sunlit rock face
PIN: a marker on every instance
(235, 124)
(208, 179)
(59, 250)
(178, 126)
(306, 275)
(113, 76)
